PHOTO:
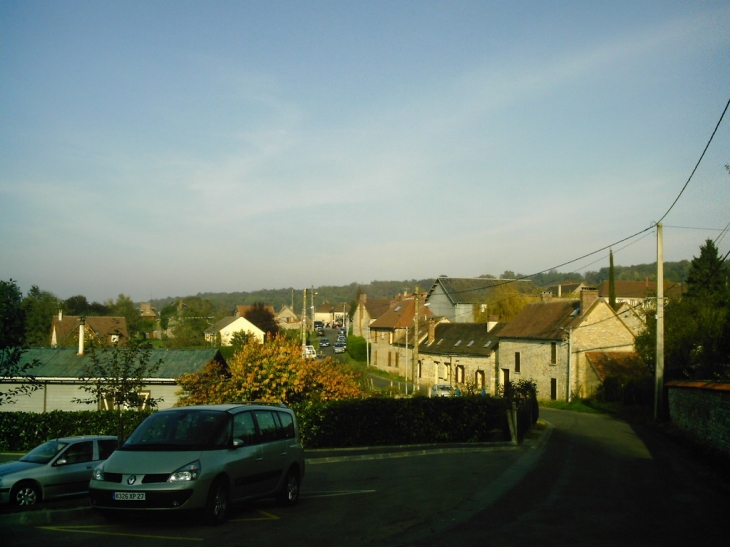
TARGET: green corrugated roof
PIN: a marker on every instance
(65, 363)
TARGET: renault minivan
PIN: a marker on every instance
(203, 458)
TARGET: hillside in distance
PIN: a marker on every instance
(337, 295)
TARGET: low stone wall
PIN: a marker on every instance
(702, 409)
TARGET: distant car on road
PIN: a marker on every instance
(442, 390)
(339, 347)
(55, 469)
(310, 352)
(324, 342)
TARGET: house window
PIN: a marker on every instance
(553, 353)
(553, 389)
(459, 374)
(397, 360)
(390, 357)
(517, 361)
(479, 379)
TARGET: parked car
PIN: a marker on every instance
(442, 390)
(203, 458)
(339, 347)
(310, 352)
(324, 342)
(55, 469)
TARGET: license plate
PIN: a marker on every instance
(127, 496)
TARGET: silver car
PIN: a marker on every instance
(57, 468)
(203, 458)
(442, 390)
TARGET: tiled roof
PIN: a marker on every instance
(399, 315)
(640, 289)
(220, 324)
(64, 363)
(544, 320)
(102, 327)
(377, 306)
(617, 363)
(463, 339)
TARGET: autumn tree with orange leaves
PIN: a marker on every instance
(272, 372)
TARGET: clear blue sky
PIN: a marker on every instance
(166, 148)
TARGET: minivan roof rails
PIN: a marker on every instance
(263, 403)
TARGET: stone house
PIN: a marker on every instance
(367, 311)
(456, 298)
(389, 332)
(228, 326)
(58, 372)
(461, 354)
(547, 342)
(102, 331)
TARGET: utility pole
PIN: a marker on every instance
(414, 370)
(659, 371)
(406, 363)
(304, 322)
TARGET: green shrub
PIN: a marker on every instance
(386, 421)
(375, 421)
(21, 431)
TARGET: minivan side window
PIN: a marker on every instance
(268, 427)
(287, 425)
(244, 428)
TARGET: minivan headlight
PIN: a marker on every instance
(98, 474)
(188, 472)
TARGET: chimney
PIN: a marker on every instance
(492, 322)
(587, 297)
(81, 335)
(431, 331)
(560, 290)
(60, 314)
(545, 296)
(363, 298)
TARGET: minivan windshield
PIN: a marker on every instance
(183, 429)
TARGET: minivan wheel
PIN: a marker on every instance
(289, 493)
(216, 507)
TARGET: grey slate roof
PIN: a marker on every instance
(64, 363)
(463, 339)
(465, 290)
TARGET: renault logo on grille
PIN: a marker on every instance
(132, 479)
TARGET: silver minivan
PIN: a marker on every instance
(203, 458)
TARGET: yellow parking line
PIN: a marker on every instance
(265, 516)
(88, 530)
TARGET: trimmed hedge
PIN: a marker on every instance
(382, 421)
(357, 422)
(21, 431)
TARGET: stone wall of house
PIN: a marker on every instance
(599, 332)
(536, 365)
(441, 369)
(702, 409)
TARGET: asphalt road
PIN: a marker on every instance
(589, 480)
(601, 483)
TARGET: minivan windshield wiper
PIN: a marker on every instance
(169, 447)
